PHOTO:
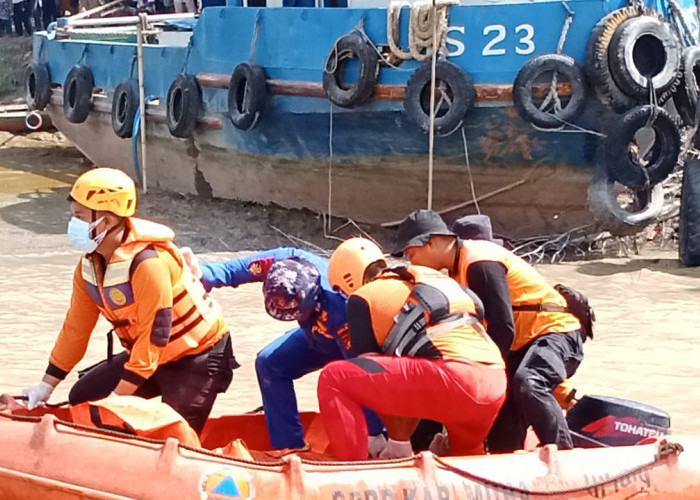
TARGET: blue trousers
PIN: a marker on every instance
(277, 365)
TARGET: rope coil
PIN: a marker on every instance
(424, 16)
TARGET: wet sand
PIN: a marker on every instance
(648, 306)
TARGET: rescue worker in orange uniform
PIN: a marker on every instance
(541, 342)
(421, 354)
(176, 341)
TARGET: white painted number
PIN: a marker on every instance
(526, 39)
(489, 50)
(458, 45)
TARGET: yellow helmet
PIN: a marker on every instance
(106, 189)
(350, 260)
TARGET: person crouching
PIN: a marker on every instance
(422, 354)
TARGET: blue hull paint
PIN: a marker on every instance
(492, 42)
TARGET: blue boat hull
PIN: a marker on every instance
(369, 163)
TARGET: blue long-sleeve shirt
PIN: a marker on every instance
(329, 317)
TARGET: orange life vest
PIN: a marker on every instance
(414, 306)
(137, 416)
(195, 315)
(527, 288)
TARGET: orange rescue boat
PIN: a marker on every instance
(45, 455)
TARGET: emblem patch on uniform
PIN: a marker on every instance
(261, 266)
(117, 296)
(225, 484)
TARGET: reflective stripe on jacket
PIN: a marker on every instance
(426, 314)
(526, 287)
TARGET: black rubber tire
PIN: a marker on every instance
(689, 227)
(664, 153)
(645, 45)
(340, 92)
(597, 66)
(182, 105)
(454, 81)
(37, 86)
(685, 97)
(603, 205)
(77, 93)
(125, 102)
(535, 67)
(247, 93)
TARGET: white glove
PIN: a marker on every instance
(192, 261)
(376, 445)
(37, 394)
(397, 449)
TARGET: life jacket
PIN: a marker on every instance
(149, 418)
(417, 311)
(538, 308)
(195, 315)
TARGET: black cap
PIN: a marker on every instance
(417, 228)
(475, 227)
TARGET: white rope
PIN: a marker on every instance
(469, 171)
(393, 22)
(330, 165)
(553, 94)
(431, 133)
(424, 16)
(678, 13)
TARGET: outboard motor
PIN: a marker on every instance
(597, 421)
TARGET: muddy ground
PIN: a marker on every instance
(646, 345)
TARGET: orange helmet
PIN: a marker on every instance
(350, 260)
(106, 189)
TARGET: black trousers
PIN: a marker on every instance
(534, 371)
(190, 384)
(21, 12)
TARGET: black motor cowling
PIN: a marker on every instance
(605, 421)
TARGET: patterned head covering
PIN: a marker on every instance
(291, 289)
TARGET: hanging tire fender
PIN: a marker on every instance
(340, 92)
(452, 83)
(662, 157)
(689, 226)
(247, 93)
(644, 47)
(37, 85)
(603, 205)
(597, 65)
(125, 102)
(536, 67)
(77, 93)
(183, 105)
(685, 96)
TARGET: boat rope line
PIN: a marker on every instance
(679, 21)
(433, 62)
(134, 60)
(135, 137)
(469, 171)
(666, 450)
(83, 55)
(553, 95)
(256, 32)
(359, 27)
(330, 166)
(187, 56)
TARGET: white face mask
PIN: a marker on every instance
(79, 234)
